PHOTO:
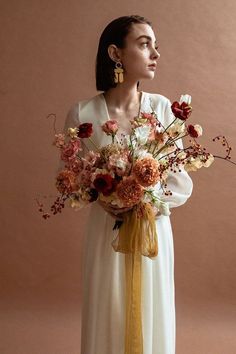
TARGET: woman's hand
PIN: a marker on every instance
(115, 211)
(156, 212)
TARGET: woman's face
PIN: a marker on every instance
(140, 55)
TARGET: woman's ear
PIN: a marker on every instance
(113, 52)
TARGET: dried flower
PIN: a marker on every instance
(109, 150)
(192, 164)
(59, 140)
(76, 166)
(129, 191)
(210, 159)
(146, 171)
(72, 132)
(66, 182)
(161, 139)
(69, 151)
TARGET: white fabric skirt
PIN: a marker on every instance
(103, 302)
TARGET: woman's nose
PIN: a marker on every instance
(156, 54)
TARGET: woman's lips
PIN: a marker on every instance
(152, 67)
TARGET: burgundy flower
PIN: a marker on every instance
(181, 111)
(194, 130)
(93, 195)
(104, 183)
(85, 130)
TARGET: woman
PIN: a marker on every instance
(130, 42)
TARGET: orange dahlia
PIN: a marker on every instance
(129, 191)
(146, 171)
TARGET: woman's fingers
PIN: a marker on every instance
(113, 208)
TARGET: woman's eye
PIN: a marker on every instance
(144, 44)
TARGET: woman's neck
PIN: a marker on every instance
(123, 97)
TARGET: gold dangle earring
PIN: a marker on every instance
(119, 77)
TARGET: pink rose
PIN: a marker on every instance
(110, 127)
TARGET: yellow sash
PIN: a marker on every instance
(137, 236)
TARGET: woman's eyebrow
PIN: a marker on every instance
(147, 37)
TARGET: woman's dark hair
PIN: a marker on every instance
(114, 33)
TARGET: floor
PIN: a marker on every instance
(52, 328)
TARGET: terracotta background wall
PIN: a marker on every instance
(48, 51)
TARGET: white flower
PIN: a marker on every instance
(142, 134)
(182, 155)
(177, 128)
(193, 164)
(121, 163)
(100, 171)
(185, 98)
(198, 129)
(140, 154)
(154, 197)
(163, 207)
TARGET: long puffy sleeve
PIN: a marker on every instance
(72, 118)
(179, 183)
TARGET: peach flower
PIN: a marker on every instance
(110, 127)
(66, 182)
(146, 171)
(129, 191)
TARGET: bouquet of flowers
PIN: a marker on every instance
(132, 170)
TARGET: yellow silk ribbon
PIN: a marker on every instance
(137, 236)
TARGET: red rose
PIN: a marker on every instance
(181, 111)
(85, 130)
(104, 183)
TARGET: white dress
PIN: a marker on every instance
(103, 308)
